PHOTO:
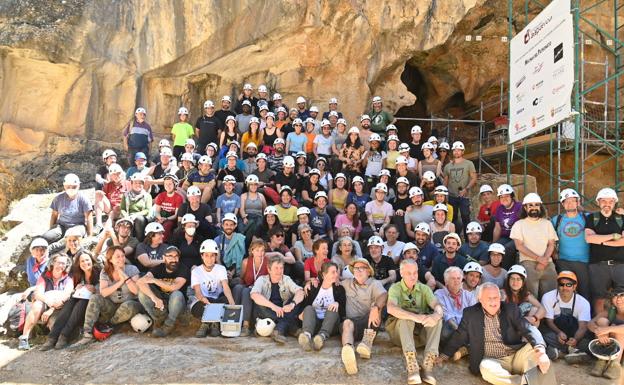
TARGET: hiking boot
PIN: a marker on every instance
(203, 330)
(599, 368)
(245, 330)
(319, 341)
(305, 341)
(427, 367)
(49, 344)
(215, 329)
(365, 347)
(348, 359)
(413, 372)
(612, 370)
(279, 338)
(163, 331)
(576, 357)
(23, 343)
(295, 332)
(461, 352)
(62, 343)
(86, 339)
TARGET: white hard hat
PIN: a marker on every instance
(254, 120)
(281, 109)
(193, 191)
(416, 130)
(303, 211)
(300, 154)
(392, 137)
(404, 147)
(262, 88)
(454, 236)
(208, 104)
(382, 187)
(247, 86)
(246, 102)
(377, 99)
(568, 193)
(607, 352)
(279, 141)
(340, 175)
(286, 188)
(429, 176)
(333, 113)
(230, 217)
(364, 117)
(517, 269)
(314, 171)
(333, 101)
(190, 141)
(315, 109)
(230, 117)
(277, 96)
(432, 139)
(423, 227)
(166, 151)
(187, 156)
(402, 179)
(262, 107)
(189, 218)
(164, 143)
(264, 327)
(182, 111)
(444, 146)
(301, 99)
(140, 323)
(288, 161)
(71, 180)
(440, 206)
(474, 227)
(137, 177)
(607, 193)
(204, 159)
(354, 130)
(209, 246)
(428, 146)
(229, 179)
(320, 194)
(415, 191)
(154, 227)
(140, 110)
(504, 189)
(485, 188)
(270, 210)
(441, 189)
(374, 137)
(473, 267)
(496, 248)
(391, 127)
(115, 169)
(231, 154)
(252, 179)
(341, 121)
(374, 241)
(357, 179)
(531, 198)
(261, 155)
(297, 121)
(213, 144)
(226, 98)
(410, 246)
(38, 242)
(384, 172)
(401, 160)
(324, 122)
(458, 145)
(108, 153)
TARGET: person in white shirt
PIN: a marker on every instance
(392, 247)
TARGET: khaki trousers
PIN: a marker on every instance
(508, 370)
(403, 333)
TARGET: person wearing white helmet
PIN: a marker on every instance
(252, 205)
(515, 291)
(323, 142)
(441, 226)
(332, 106)
(276, 158)
(262, 171)
(252, 137)
(233, 168)
(473, 276)
(231, 245)
(36, 263)
(507, 213)
(402, 167)
(229, 201)
(278, 297)
(428, 251)
(607, 325)
(136, 205)
(161, 291)
(604, 231)
(440, 195)
(535, 237)
(108, 200)
(297, 140)
(417, 212)
(448, 257)
(187, 166)
(475, 248)
(572, 248)
(379, 212)
(181, 131)
(374, 158)
(412, 163)
(245, 98)
(460, 176)
(302, 112)
(429, 162)
(487, 209)
(384, 266)
(315, 120)
(415, 144)
(203, 178)
(263, 104)
(379, 118)
(188, 238)
(225, 111)
(201, 211)
(352, 154)
(70, 209)
(454, 299)
(137, 135)
(210, 286)
(277, 102)
(119, 235)
(149, 253)
(241, 120)
(320, 220)
(166, 166)
(392, 153)
(208, 127)
(492, 270)
(166, 205)
(101, 176)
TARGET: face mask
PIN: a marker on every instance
(190, 231)
(71, 192)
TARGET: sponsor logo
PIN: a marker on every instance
(538, 68)
(558, 52)
(538, 85)
(538, 52)
(537, 101)
(520, 111)
(520, 81)
(533, 121)
(519, 97)
(558, 89)
(520, 127)
(557, 110)
(533, 32)
(558, 71)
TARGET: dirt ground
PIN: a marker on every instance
(127, 358)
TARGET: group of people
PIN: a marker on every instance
(317, 230)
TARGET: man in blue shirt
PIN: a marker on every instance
(573, 249)
(475, 248)
(428, 251)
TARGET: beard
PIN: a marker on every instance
(173, 266)
(534, 213)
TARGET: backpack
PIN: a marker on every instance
(17, 317)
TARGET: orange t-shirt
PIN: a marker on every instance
(309, 148)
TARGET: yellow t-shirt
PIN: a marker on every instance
(182, 132)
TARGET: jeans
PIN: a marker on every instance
(312, 324)
(242, 296)
(463, 204)
(284, 325)
(71, 315)
(174, 304)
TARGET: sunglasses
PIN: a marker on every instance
(566, 284)
(279, 235)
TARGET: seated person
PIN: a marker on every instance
(609, 324)
(492, 270)
(120, 235)
(454, 299)
(448, 258)
(385, 269)
(150, 252)
(475, 248)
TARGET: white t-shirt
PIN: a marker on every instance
(209, 281)
(324, 298)
(555, 306)
(323, 144)
(393, 252)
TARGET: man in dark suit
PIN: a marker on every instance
(496, 340)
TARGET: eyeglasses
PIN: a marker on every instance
(566, 284)
(279, 235)
(533, 205)
(360, 268)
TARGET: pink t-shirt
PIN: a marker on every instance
(342, 220)
(379, 212)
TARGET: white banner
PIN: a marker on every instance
(541, 72)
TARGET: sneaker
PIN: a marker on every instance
(305, 341)
(203, 330)
(162, 331)
(613, 370)
(23, 343)
(348, 359)
(49, 344)
(552, 353)
(319, 341)
(97, 229)
(215, 329)
(576, 357)
(279, 338)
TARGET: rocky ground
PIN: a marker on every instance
(130, 358)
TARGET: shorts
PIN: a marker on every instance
(359, 325)
(605, 277)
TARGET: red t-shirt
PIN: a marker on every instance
(486, 213)
(308, 265)
(114, 193)
(168, 204)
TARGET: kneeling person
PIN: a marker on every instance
(160, 291)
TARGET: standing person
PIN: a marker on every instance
(379, 212)
(410, 305)
(495, 336)
(486, 211)
(181, 132)
(429, 162)
(277, 296)
(506, 214)
(604, 232)
(246, 96)
(252, 207)
(366, 297)
(460, 176)
(296, 140)
(323, 309)
(573, 250)
(161, 291)
(208, 127)
(379, 118)
(535, 238)
(69, 209)
(374, 159)
(137, 135)
(244, 117)
(454, 299)
(166, 205)
(415, 145)
(225, 111)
